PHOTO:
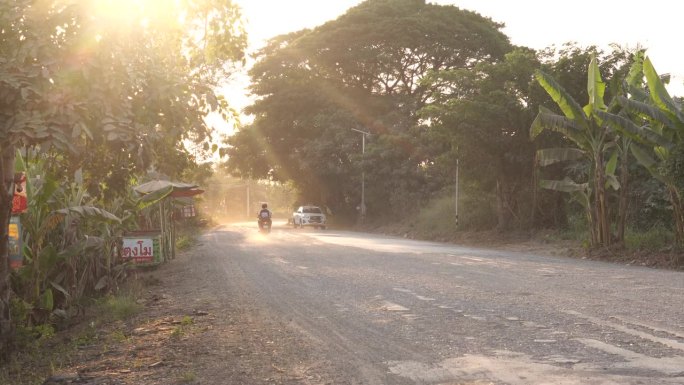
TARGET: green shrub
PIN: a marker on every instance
(188, 377)
(655, 238)
(188, 233)
(577, 228)
(184, 242)
(27, 336)
(476, 212)
(437, 218)
(119, 307)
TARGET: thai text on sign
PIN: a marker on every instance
(138, 249)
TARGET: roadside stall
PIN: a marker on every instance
(155, 240)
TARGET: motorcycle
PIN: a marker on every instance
(264, 226)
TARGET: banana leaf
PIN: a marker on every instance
(596, 88)
(612, 182)
(548, 120)
(59, 288)
(611, 166)
(47, 301)
(567, 104)
(549, 156)
(565, 185)
(659, 94)
(48, 258)
(89, 212)
(102, 283)
(641, 134)
(635, 77)
(645, 159)
(154, 197)
(649, 111)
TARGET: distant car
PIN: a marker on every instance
(309, 216)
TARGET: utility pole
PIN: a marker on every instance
(456, 194)
(363, 174)
(247, 200)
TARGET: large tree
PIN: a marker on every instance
(362, 70)
(480, 116)
(97, 84)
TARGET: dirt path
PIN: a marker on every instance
(188, 333)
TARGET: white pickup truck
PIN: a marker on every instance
(309, 216)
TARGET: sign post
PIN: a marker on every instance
(19, 206)
(16, 259)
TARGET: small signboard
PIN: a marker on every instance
(139, 250)
(16, 259)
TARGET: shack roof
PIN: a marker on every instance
(160, 189)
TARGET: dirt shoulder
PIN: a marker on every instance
(184, 333)
(542, 243)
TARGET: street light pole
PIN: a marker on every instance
(363, 174)
(456, 187)
(456, 193)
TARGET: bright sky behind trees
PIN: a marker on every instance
(532, 23)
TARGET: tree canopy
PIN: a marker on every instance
(364, 70)
(110, 88)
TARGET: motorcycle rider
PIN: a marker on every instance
(264, 216)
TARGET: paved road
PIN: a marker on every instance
(380, 310)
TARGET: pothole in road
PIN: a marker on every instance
(514, 369)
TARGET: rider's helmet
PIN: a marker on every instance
(264, 205)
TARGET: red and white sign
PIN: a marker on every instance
(138, 249)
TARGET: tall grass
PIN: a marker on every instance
(438, 217)
(119, 307)
(653, 239)
(39, 355)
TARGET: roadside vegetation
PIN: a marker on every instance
(38, 357)
(97, 98)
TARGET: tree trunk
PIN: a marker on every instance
(593, 209)
(602, 224)
(678, 212)
(6, 194)
(502, 218)
(535, 194)
(623, 202)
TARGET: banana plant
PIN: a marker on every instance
(62, 259)
(657, 128)
(594, 144)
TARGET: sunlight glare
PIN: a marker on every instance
(258, 237)
(120, 14)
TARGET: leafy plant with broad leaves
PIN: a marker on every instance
(594, 143)
(67, 247)
(656, 125)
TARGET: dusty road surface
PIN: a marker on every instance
(332, 307)
(321, 307)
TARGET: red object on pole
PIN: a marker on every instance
(19, 200)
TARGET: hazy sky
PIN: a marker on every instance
(533, 23)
